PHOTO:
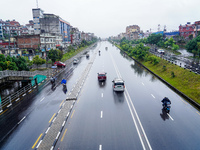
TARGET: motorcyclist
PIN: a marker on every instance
(52, 80)
(165, 101)
(64, 82)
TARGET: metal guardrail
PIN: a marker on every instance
(7, 73)
(9, 100)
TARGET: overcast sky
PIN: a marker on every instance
(107, 18)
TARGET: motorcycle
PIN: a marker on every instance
(64, 88)
(166, 107)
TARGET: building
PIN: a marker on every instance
(53, 24)
(30, 27)
(197, 29)
(75, 36)
(28, 42)
(187, 29)
(171, 34)
(37, 14)
(1, 31)
(132, 32)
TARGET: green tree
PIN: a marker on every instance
(3, 65)
(155, 38)
(12, 66)
(21, 64)
(55, 55)
(2, 58)
(38, 61)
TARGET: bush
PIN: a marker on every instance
(172, 74)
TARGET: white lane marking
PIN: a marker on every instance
(42, 99)
(152, 95)
(101, 114)
(102, 83)
(47, 130)
(100, 147)
(170, 117)
(131, 111)
(9, 105)
(142, 83)
(34, 87)
(39, 144)
(136, 126)
(24, 94)
(21, 119)
(17, 99)
(29, 90)
(101, 94)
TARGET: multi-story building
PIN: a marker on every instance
(187, 29)
(1, 31)
(37, 14)
(132, 32)
(75, 36)
(30, 27)
(197, 28)
(50, 23)
(29, 42)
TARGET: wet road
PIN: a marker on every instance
(102, 119)
(21, 127)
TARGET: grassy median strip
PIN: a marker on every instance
(182, 79)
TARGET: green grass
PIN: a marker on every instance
(185, 81)
(39, 69)
(70, 54)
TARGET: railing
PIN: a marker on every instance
(9, 100)
(7, 73)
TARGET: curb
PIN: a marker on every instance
(168, 84)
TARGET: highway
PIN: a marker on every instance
(102, 119)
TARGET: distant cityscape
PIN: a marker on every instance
(133, 32)
(44, 32)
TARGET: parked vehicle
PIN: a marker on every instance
(75, 61)
(87, 55)
(161, 51)
(59, 64)
(102, 76)
(118, 85)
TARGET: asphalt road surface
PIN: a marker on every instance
(105, 120)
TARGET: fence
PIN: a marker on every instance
(7, 73)
(9, 100)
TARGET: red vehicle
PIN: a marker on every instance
(102, 76)
(59, 64)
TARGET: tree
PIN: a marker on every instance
(2, 58)
(12, 66)
(55, 55)
(38, 61)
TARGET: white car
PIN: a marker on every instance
(75, 61)
(118, 85)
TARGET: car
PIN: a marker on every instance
(161, 51)
(118, 85)
(87, 55)
(59, 64)
(75, 61)
(102, 76)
